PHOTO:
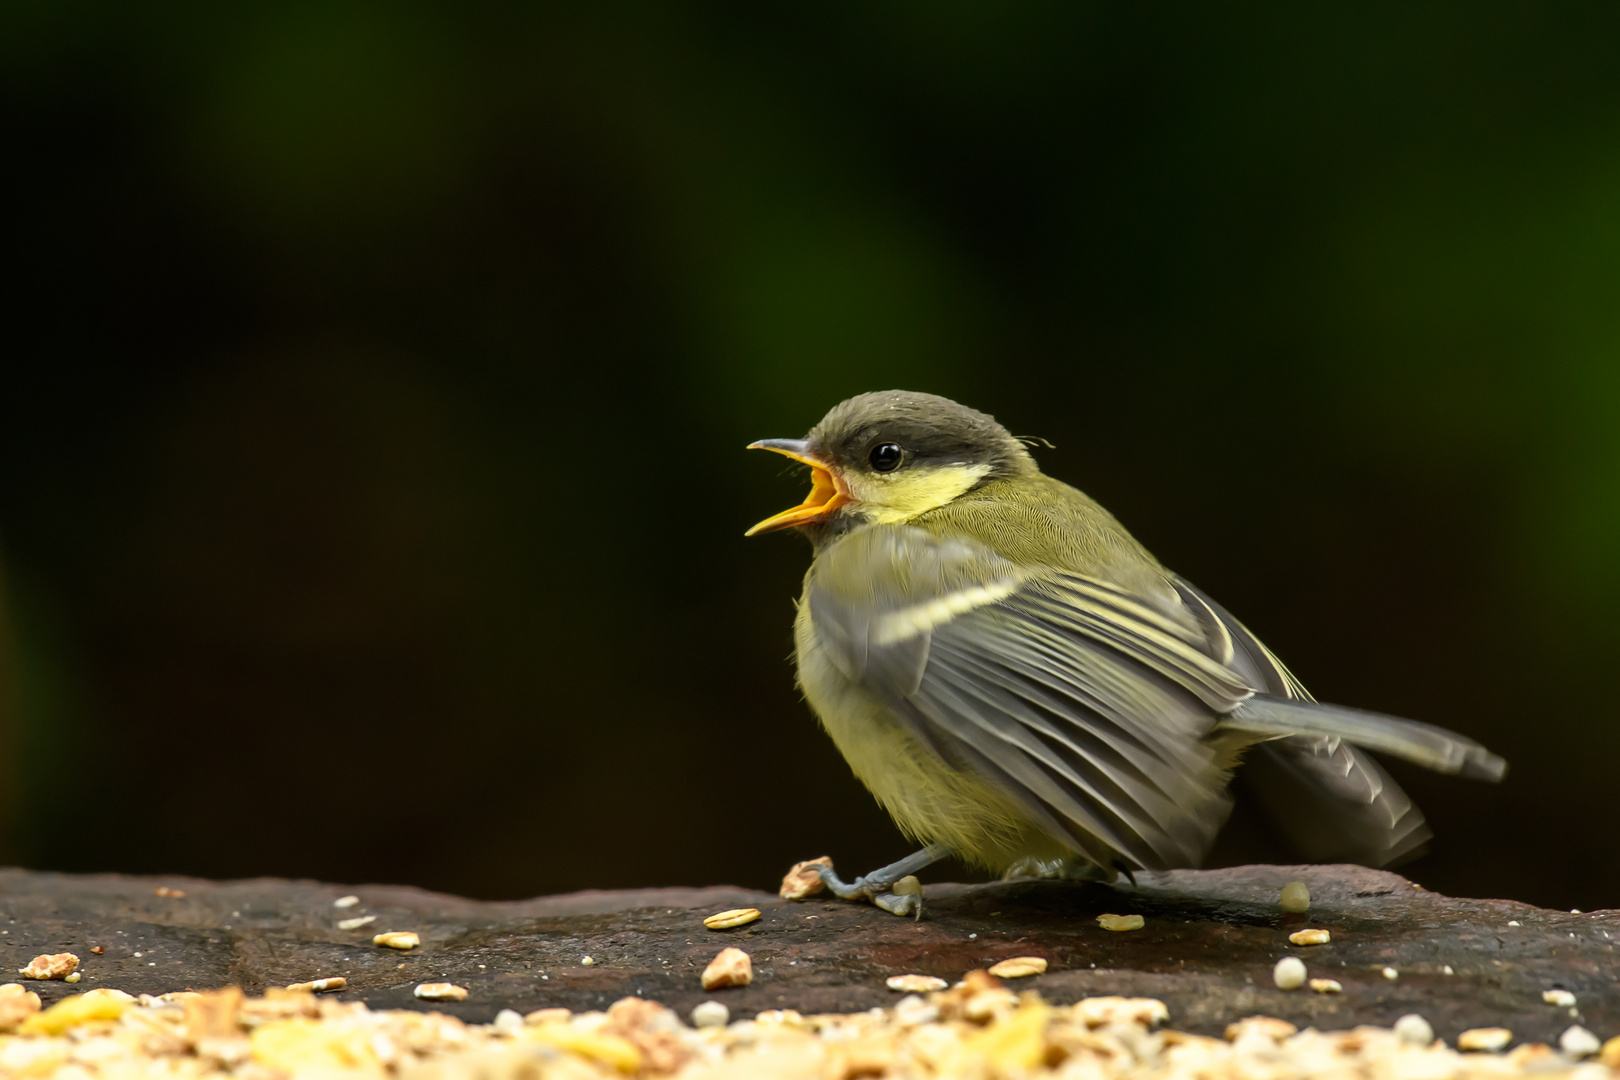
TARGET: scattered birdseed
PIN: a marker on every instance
(168, 893)
(441, 992)
(1412, 1028)
(1120, 922)
(548, 1016)
(50, 966)
(1267, 1028)
(356, 923)
(1391, 974)
(725, 920)
(322, 986)
(98, 949)
(707, 1014)
(1490, 1040)
(1577, 1042)
(397, 939)
(1327, 986)
(73, 978)
(1561, 998)
(1610, 1054)
(587, 961)
(1310, 937)
(1019, 967)
(1447, 970)
(1107, 1012)
(1295, 897)
(508, 1021)
(346, 901)
(801, 881)
(731, 967)
(1514, 922)
(914, 984)
(1289, 973)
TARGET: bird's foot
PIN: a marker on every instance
(894, 888)
(1064, 868)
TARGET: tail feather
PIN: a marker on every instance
(1423, 744)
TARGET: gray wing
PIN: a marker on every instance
(1088, 706)
(1332, 801)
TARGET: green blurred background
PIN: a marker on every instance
(372, 490)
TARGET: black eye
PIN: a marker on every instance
(885, 457)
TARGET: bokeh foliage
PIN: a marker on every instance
(378, 376)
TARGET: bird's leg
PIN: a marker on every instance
(880, 885)
(1063, 868)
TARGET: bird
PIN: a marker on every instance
(1023, 685)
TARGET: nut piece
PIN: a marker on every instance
(1577, 1042)
(441, 992)
(801, 881)
(50, 966)
(1020, 966)
(356, 923)
(1327, 986)
(1108, 1011)
(1295, 897)
(1289, 973)
(725, 920)
(397, 939)
(708, 1014)
(1260, 1027)
(1561, 998)
(731, 967)
(914, 984)
(1310, 937)
(1413, 1029)
(168, 893)
(1490, 1040)
(322, 986)
(1120, 922)
(1610, 1054)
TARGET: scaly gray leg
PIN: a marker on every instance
(879, 885)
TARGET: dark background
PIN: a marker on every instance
(377, 376)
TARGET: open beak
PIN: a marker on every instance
(827, 490)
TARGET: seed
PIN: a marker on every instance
(397, 939)
(346, 901)
(731, 967)
(1020, 966)
(1610, 1054)
(1310, 937)
(1120, 922)
(725, 920)
(1561, 998)
(50, 966)
(72, 978)
(914, 984)
(709, 1014)
(1490, 1040)
(587, 961)
(1289, 973)
(322, 986)
(98, 949)
(441, 992)
(802, 881)
(1391, 974)
(1412, 1028)
(1295, 897)
(548, 1016)
(1327, 986)
(168, 893)
(1577, 1042)
(355, 924)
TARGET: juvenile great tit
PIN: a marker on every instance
(1022, 684)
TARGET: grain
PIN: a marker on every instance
(710, 1014)
(1019, 967)
(1490, 1040)
(397, 939)
(1120, 922)
(1296, 896)
(730, 967)
(1327, 986)
(725, 920)
(914, 984)
(1289, 973)
(1310, 937)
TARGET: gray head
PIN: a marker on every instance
(888, 456)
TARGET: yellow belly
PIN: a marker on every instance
(930, 801)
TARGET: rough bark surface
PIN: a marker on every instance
(1207, 949)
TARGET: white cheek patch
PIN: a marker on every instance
(907, 623)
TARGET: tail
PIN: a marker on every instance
(1433, 747)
